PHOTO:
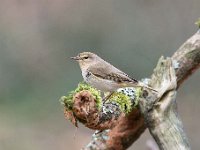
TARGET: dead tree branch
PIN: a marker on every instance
(157, 112)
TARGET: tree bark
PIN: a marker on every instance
(161, 116)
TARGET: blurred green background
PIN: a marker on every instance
(37, 37)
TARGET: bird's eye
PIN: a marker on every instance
(86, 57)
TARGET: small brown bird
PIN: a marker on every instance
(104, 76)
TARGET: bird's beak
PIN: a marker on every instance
(75, 58)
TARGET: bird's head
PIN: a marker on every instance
(86, 59)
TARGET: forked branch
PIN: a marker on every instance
(157, 112)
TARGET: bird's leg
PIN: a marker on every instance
(107, 97)
(98, 132)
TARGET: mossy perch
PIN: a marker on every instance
(85, 105)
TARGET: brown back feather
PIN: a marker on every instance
(111, 74)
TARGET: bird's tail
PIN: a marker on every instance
(141, 84)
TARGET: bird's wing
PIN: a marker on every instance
(111, 74)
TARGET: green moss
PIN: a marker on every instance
(122, 100)
(68, 100)
(198, 23)
(138, 93)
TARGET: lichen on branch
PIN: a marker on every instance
(86, 105)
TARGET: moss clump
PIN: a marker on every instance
(138, 93)
(122, 100)
(198, 23)
(68, 100)
(126, 98)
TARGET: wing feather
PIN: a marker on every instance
(111, 74)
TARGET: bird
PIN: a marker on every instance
(103, 76)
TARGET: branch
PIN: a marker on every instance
(161, 113)
(161, 116)
(187, 58)
(124, 128)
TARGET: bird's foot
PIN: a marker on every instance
(105, 99)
